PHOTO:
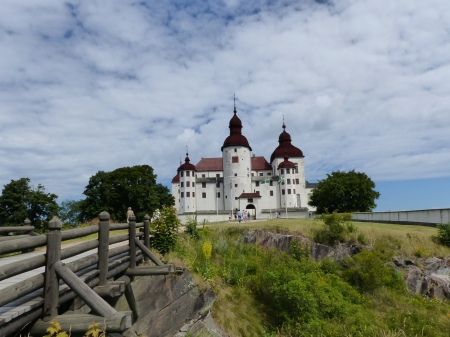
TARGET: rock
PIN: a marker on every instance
(414, 278)
(165, 304)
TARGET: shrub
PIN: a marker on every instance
(191, 228)
(166, 230)
(299, 251)
(444, 234)
(335, 227)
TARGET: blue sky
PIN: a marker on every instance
(97, 85)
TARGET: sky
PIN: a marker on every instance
(88, 86)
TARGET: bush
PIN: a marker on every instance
(166, 230)
(191, 228)
(336, 226)
(299, 251)
(444, 234)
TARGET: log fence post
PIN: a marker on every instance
(103, 247)
(52, 256)
(146, 236)
(131, 238)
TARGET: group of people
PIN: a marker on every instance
(239, 216)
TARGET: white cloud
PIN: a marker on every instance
(91, 86)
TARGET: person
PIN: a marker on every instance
(229, 217)
(239, 215)
(244, 216)
(279, 214)
(129, 213)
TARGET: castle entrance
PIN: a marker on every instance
(252, 211)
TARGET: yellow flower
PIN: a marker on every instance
(207, 248)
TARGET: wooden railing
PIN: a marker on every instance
(111, 271)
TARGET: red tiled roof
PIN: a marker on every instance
(249, 195)
(209, 164)
(285, 146)
(260, 163)
(236, 138)
(187, 166)
(286, 163)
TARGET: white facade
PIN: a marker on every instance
(216, 186)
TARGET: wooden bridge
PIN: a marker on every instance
(77, 285)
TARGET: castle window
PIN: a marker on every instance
(203, 175)
(289, 181)
(250, 200)
(235, 159)
(271, 193)
(203, 185)
(235, 185)
(296, 168)
(235, 150)
(218, 194)
(283, 192)
(288, 171)
(261, 174)
(269, 173)
(182, 184)
(271, 183)
(204, 195)
(289, 191)
(282, 171)
(188, 173)
(193, 194)
(235, 174)
(182, 194)
(181, 174)
(193, 184)
(253, 174)
(218, 175)
(297, 181)
(188, 184)
(257, 184)
(294, 191)
(188, 194)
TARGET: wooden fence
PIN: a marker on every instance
(93, 281)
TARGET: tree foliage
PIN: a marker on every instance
(344, 192)
(124, 187)
(20, 201)
(69, 212)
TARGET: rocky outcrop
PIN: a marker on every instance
(428, 277)
(282, 241)
(170, 305)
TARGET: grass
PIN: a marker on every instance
(236, 273)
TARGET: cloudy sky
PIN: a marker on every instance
(97, 85)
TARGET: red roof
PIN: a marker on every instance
(260, 163)
(209, 164)
(236, 138)
(286, 163)
(285, 146)
(249, 195)
(176, 179)
(187, 166)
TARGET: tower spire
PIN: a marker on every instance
(234, 95)
(284, 126)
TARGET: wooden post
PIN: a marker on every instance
(53, 255)
(27, 223)
(131, 237)
(103, 247)
(146, 236)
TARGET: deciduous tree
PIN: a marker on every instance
(20, 201)
(344, 192)
(124, 187)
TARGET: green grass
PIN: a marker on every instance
(263, 293)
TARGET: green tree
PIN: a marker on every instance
(69, 212)
(344, 192)
(166, 226)
(124, 187)
(20, 201)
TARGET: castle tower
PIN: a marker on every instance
(236, 156)
(186, 175)
(286, 169)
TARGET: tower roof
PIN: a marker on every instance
(286, 163)
(285, 146)
(236, 138)
(187, 166)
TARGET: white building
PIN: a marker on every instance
(239, 180)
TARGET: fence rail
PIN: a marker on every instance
(105, 273)
(427, 217)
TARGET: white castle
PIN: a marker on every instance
(239, 180)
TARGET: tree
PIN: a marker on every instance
(20, 201)
(344, 192)
(166, 230)
(69, 212)
(124, 187)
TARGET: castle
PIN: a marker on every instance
(239, 180)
